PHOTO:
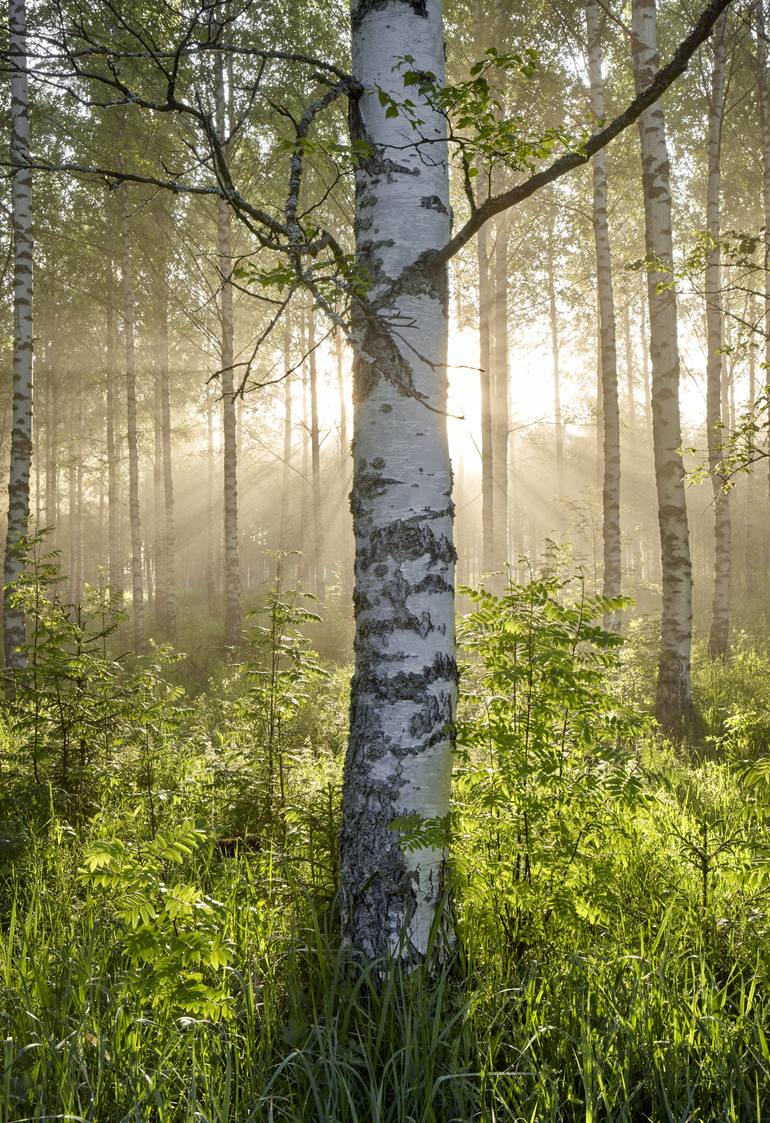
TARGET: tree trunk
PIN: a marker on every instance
(485, 388)
(51, 450)
(404, 688)
(302, 534)
(21, 425)
(673, 706)
(229, 423)
(211, 559)
(315, 445)
(720, 610)
(115, 562)
(607, 339)
(169, 512)
(344, 440)
(501, 408)
(763, 98)
(159, 531)
(284, 514)
(137, 587)
(558, 425)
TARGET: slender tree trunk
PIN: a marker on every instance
(307, 568)
(558, 423)
(485, 387)
(229, 422)
(137, 586)
(211, 561)
(21, 425)
(403, 692)
(284, 514)
(501, 409)
(342, 396)
(674, 706)
(763, 98)
(629, 357)
(159, 530)
(607, 339)
(51, 503)
(315, 445)
(169, 511)
(720, 610)
(115, 564)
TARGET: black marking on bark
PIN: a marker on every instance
(404, 686)
(433, 203)
(409, 540)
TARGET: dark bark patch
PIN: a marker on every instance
(433, 203)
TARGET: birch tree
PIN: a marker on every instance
(673, 705)
(607, 336)
(21, 424)
(763, 102)
(232, 578)
(405, 682)
(720, 609)
(134, 513)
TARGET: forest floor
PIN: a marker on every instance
(169, 887)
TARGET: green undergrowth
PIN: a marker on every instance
(169, 944)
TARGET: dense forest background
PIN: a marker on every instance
(213, 859)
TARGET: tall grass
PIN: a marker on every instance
(633, 1024)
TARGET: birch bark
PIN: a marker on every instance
(720, 609)
(21, 419)
(501, 407)
(763, 100)
(169, 513)
(673, 706)
(607, 334)
(284, 514)
(315, 446)
(137, 586)
(229, 423)
(115, 562)
(485, 390)
(558, 424)
(342, 398)
(404, 687)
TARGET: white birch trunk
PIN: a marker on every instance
(558, 423)
(405, 682)
(674, 706)
(763, 98)
(115, 563)
(607, 335)
(342, 397)
(720, 609)
(319, 568)
(501, 403)
(485, 390)
(284, 513)
(169, 513)
(21, 423)
(232, 577)
(137, 584)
